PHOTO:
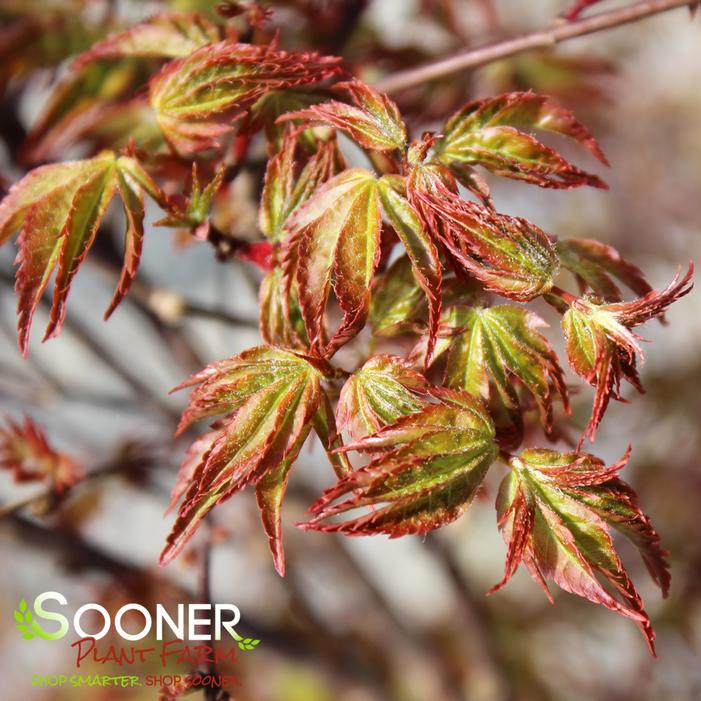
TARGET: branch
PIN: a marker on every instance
(560, 31)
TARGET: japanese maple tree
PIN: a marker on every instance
(372, 239)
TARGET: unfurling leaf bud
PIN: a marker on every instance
(603, 349)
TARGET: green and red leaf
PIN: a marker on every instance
(83, 102)
(269, 398)
(165, 35)
(603, 349)
(196, 98)
(58, 209)
(383, 390)
(508, 255)
(335, 235)
(490, 351)
(280, 318)
(425, 469)
(291, 177)
(555, 510)
(192, 212)
(595, 265)
(419, 246)
(398, 303)
(374, 122)
(494, 133)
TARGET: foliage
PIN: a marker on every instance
(26, 452)
(407, 249)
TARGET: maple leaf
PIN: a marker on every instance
(420, 248)
(78, 105)
(338, 228)
(192, 212)
(595, 264)
(384, 389)
(490, 133)
(25, 451)
(196, 98)
(290, 180)
(489, 348)
(603, 349)
(269, 398)
(509, 255)
(116, 125)
(374, 122)
(58, 209)
(280, 318)
(425, 470)
(555, 509)
(336, 232)
(264, 115)
(165, 35)
(398, 303)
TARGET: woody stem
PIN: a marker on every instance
(560, 30)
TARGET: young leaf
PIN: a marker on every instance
(264, 114)
(425, 470)
(490, 348)
(269, 398)
(270, 492)
(289, 181)
(25, 451)
(80, 103)
(509, 255)
(327, 432)
(280, 318)
(165, 35)
(380, 392)
(603, 349)
(595, 264)
(58, 209)
(374, 122)
(102, 125)
(192, 212)
(336, 232)
(398, 303)
(491, 133)
(420, 249)
(554, 510)
(197, 97)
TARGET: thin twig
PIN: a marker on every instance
(561, 30)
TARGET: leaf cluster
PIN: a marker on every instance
(403, 263)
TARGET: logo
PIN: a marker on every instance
(201, 622)
(187, 637)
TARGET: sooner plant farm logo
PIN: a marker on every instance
(193, 636)
(27, 624)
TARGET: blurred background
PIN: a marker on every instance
(359, 619)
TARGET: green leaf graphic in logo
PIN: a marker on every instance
(29, 626)
(246, 643)
(23, 620)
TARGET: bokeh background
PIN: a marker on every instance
(369, 619)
